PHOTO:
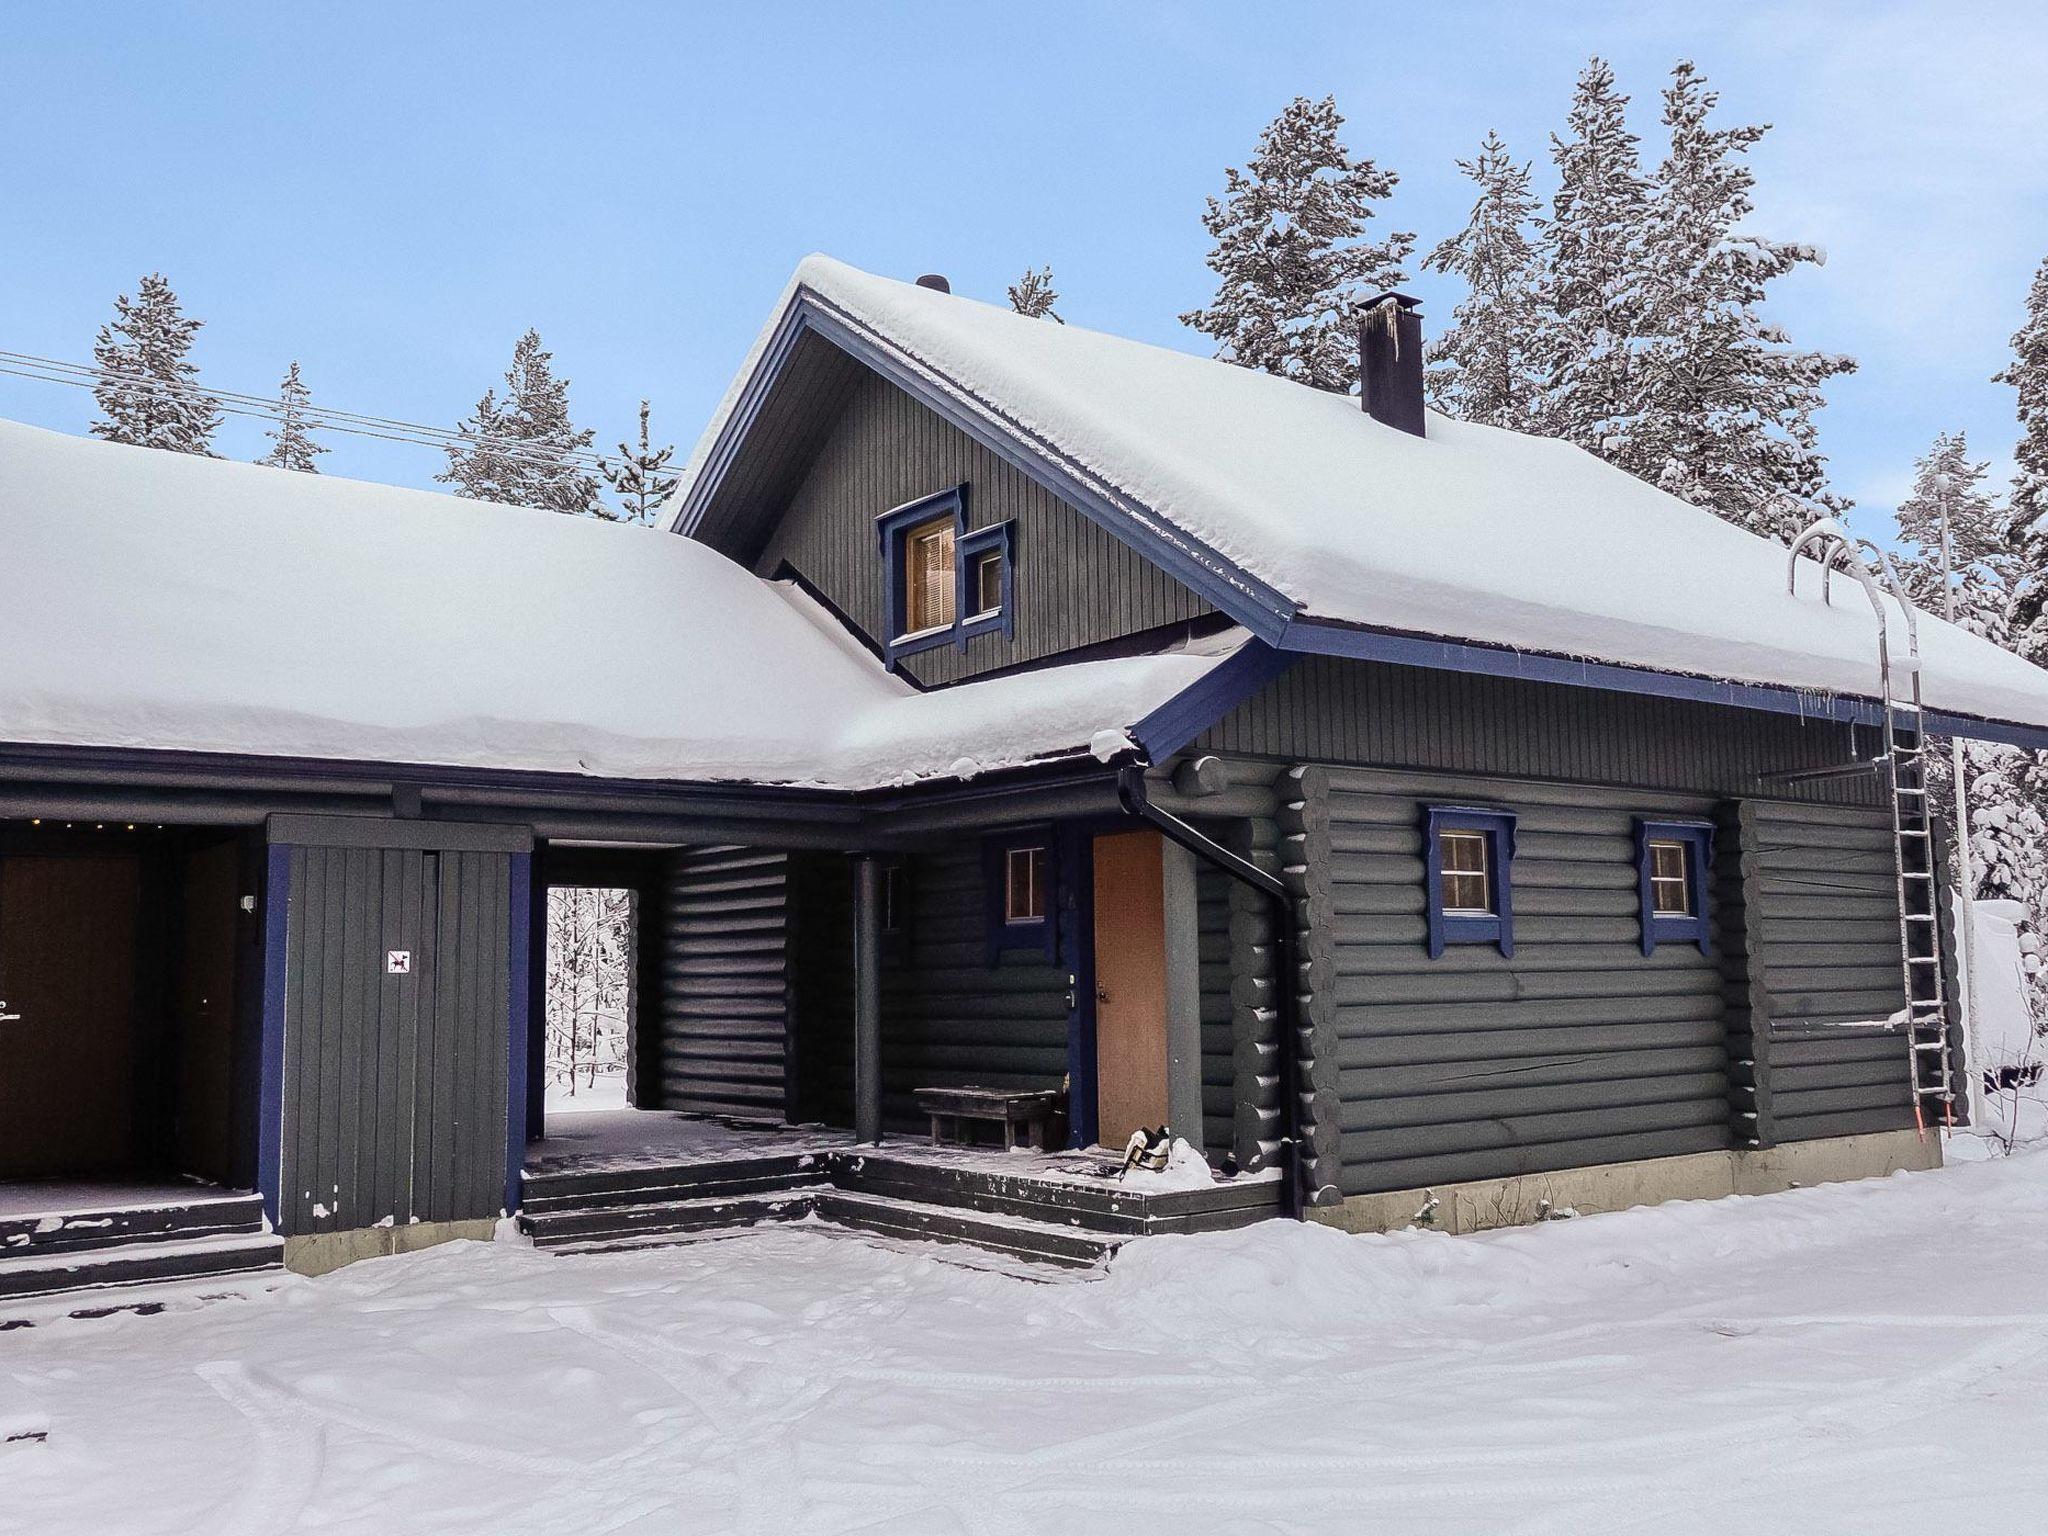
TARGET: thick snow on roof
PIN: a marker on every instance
(1470, 534)
(165, 601)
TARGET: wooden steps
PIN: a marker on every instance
(59, 1251)
(892, 1193)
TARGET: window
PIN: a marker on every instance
(988, 584)
(928, 577)
(1468, 858)
(1467, 886)
(941, 584)
(1672, 860)
(1021, 878)
(1024, 885)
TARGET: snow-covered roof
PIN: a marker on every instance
(159, 600)
(1470, 534)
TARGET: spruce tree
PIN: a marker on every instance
(1484, 365)
(639, 477)
(147, 389)
(291, 440)
(1719, 405)
(1033, 294)
(2027, 373)
(1291, 252)
(1949, 500)
(1591, 258)
(524, 449)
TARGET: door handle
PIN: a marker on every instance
(5, 1017)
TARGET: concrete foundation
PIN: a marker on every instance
(316, 1253)
(1531, 1197)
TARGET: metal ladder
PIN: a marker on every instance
(1904, 765)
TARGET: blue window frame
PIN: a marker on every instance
(1469, 857)
(1020, 876)
(926, 533)
(1672, 862)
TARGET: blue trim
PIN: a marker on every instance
(1698, 836)
(1498, 926)
(518, 1021)
(890, 528)
(999, 539)
(1040, 934)
(277, 888)
(1193, 710)
(1076, 887)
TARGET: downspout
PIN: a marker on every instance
(1132, 795)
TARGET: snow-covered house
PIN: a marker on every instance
(1423, 820)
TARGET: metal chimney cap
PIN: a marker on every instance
(1405, 300)
(936, 281)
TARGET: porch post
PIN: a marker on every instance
(867, 999)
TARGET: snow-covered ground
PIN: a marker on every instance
(1866, 1358)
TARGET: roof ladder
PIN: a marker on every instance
(1903, 767)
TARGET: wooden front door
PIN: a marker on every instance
(67, 975)
(1130, 985)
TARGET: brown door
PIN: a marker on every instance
(1130, 985)
(67, 974)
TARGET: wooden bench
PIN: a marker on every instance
(1028, 1109)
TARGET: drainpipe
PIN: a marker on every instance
(1132, 795)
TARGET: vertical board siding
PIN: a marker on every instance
(395, 1086)
(724, 1015)
(1075, 583)
(1578, 1049)
(1333, 710)
(1823, 920)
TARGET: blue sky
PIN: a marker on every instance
(391, 193)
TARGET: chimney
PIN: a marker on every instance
(1390, 361)
(936, 282)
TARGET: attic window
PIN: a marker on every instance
(928, 577)
(942, 585)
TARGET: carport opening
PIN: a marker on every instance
(592, 950)
(130, 968)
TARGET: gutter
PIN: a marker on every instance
(1131, 794)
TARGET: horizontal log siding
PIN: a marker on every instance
(724, 967)
(1219, 1043)
(1819, 882)
(1075, 584)
(1331, 710)
(1579, 1049)
(949, 1017)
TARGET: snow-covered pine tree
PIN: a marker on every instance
(1590, 260)
(2027, 373)
(524, 449)
(1949, 497)
(639, 477)
(1720, 404)
(1291, 254)
(291, 440)
(147, 388)
(1484, 367)
(1033, 294)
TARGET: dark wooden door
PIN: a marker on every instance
(67, 974)
(1130, 984)
(206, 1011)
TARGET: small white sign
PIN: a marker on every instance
(398, 962)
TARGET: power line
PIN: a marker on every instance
(47, 370)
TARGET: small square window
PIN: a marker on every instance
(1468, 857)
(1670, 881)
(1467, 883)
(928, 576)
(988, 584)
(1024, 885)
(1672, 860)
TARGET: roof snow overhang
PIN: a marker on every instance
(1277, 620)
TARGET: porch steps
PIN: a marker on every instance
(901, 1195)
(63, 1251)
